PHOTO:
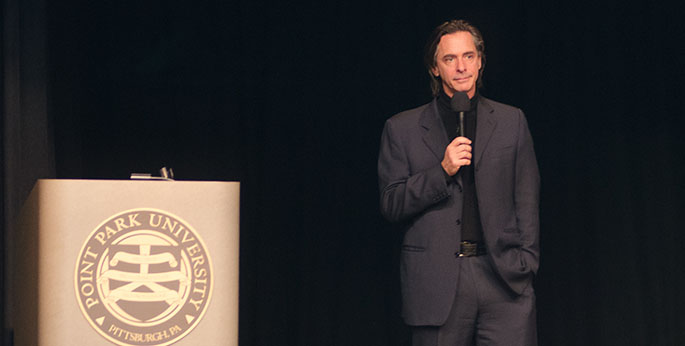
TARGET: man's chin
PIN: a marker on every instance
(462, 90)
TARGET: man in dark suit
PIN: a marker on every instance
(468, 206)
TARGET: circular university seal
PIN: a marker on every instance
(143, 277)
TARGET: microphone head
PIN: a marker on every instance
(460, 102)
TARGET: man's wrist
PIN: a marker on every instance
(446, 170)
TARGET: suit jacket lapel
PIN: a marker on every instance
(485, 126)
(434, 133)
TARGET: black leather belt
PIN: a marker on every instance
(468, 249)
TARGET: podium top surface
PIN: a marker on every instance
(137, 181)
(61, 193)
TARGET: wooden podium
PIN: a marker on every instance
(102, 262)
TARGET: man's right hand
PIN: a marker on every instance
(457, 154)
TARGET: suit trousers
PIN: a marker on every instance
(485, 312)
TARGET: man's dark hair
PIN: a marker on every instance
(446, 28)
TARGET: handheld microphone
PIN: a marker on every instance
(460, 103)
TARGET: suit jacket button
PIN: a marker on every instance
(458, 221)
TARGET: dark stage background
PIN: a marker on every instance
(290, 99)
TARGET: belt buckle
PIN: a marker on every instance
(468, 249)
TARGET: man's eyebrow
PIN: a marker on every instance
(452, 55)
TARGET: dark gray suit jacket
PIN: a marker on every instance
(415, 193)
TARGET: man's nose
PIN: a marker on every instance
(461, 66)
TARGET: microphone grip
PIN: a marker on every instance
(461, 124)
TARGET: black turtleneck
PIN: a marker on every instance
(471, 228)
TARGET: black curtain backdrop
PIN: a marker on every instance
(290, 99)
(26, 130)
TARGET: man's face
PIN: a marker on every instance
(457, 63)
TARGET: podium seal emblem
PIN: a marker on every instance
(143, 277)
